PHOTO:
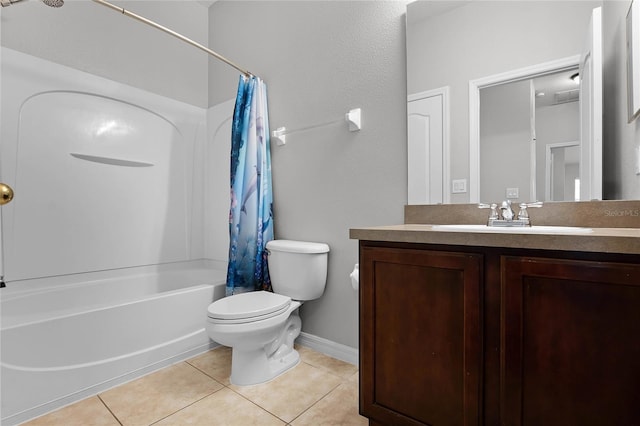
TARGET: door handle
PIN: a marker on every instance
(6, 194)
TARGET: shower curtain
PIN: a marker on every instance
(250, 215)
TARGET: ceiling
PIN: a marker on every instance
(556, 88)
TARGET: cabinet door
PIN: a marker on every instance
(420, 336)
(570, 342)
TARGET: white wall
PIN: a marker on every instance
(485, 38)
(88, 37)
(555, 124)
(505, 156)
(92, 38)
(103, 172)
(620, 139)
(216, 181)
(319, 60)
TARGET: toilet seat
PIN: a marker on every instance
(248, 307)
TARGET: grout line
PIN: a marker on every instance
(185, 407)
(109, 409)
(257, 405)
(206, 374)
(321, 398)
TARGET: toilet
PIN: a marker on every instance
(261, 326)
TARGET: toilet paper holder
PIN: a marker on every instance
(355, 277)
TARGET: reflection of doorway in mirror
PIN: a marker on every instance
(522, 76)
(562, 181)
(505, 140)
(518, 121)
(557, 121)
(544, 119)
(428, 147)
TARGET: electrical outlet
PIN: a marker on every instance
(513, 193)
(459, 186)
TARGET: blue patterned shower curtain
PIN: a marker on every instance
(250, 215)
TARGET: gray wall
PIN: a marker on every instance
(319, 60)
(92, 38)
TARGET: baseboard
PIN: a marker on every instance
(328, 347)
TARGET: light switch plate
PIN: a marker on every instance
(513, 193)
(459, 186)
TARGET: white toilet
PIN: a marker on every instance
(260, 326)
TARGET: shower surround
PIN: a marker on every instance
(103, 243)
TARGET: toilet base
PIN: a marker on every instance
(252, 367)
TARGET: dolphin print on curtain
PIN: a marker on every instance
(251, 214)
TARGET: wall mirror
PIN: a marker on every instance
(507, 120)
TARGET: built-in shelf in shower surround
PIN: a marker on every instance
(111, 161)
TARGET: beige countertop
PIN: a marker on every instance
(604, 240)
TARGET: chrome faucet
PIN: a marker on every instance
(507, 213)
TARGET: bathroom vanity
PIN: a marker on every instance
(499, 328)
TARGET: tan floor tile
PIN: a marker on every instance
(291, 393)
(340, 407)
(332, 365)
(153, 397)
(216, 363)
(88, 412)
(224, 407)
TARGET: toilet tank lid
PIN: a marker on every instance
(297, 246)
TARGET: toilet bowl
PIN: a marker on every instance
(261, 326)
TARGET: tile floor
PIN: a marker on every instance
(319, 391)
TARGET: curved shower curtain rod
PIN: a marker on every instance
(175, 34)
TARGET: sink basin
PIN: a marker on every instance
(514, 229)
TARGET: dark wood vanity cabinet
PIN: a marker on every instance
(570, 342)
(420, 336)
(453, 335)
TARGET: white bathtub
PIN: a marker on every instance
(65, 338)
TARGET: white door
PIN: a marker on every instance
(591, 111)
(427, 148)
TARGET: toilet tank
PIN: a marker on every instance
(298, 269)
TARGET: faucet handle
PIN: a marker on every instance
(494, 209)
(523, 213)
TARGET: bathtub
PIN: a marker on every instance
(66, 338)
